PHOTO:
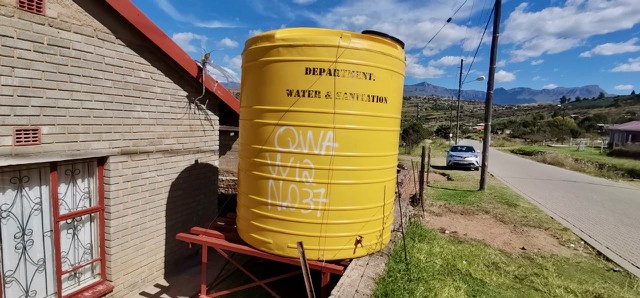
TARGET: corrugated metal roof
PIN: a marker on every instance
(629, 126)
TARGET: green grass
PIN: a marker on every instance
(502, 141)
(441, 266)
(438, 147)
(445, 266)
(497, 200)
(590, 161)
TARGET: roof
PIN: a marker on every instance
(140, 21)
(629, 126)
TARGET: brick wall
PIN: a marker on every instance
(102, 90)
(228, 179)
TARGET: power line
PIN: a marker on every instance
(445, 24)
(479, 44)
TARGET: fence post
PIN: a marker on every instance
(421, 176)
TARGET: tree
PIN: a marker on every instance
(564, 100)
(601, 95)
(633, 92)
(414, 133)
(562, 127)
(578, 98)
(590, 123)
(443, 131)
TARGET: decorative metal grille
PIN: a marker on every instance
(26, 233)
(35, 6)
(78, 234)
(76, 186)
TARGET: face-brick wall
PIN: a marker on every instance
(97, 88)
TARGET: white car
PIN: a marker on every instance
(463, 156)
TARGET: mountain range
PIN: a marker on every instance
(520, 95)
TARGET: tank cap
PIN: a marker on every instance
(385, 35)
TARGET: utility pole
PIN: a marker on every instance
(450, 119)
(458, 110)
(488, 104)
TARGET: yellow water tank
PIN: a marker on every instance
(319, 131)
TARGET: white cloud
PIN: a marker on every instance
(222, 74)
(623, 87)
(557, 29)
(233, 62)
(452, 60)
(417, 70)
(229, 43)
(633, 65)
(537, 62)
(501, 63)
(303, 2)
(504, 76)
(414, 22)
(610, 48)
(550, 86)
(254, 32)
(169, 9)
(184, 40)
(537, 78)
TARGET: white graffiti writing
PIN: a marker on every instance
(297, 190)
(289, 139)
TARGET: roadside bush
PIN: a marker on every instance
(602, 169)
(527, 151)
(414, 133)
(632, 151)
(503, 141)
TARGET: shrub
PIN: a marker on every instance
(629, 151)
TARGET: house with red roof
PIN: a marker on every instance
(109, 146)
(623, 134)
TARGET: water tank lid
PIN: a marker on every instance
(385, 35)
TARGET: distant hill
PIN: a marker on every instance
(503, 96)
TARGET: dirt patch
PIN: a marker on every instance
(436, 177)
(497, 234)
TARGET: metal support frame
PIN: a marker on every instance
(229, 241)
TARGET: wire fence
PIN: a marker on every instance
(580, 143)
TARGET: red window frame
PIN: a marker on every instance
(101, 286)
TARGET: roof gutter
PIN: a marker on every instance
(139, 20)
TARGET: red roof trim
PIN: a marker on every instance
(139, 20)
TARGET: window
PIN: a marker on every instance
(52, 229)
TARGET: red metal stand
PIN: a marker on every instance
(225, 239)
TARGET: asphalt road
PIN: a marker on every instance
(604, 213)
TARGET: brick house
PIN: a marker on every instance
(106, 152)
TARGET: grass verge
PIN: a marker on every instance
(442, 266)
(589, 161)
(460, 195)
(445, 266)
(438, 147)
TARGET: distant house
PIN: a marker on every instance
(109, 146)
(478, 127)
(623, 134)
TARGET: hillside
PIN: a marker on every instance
(503, 96)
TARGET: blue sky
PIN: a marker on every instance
(543, 43)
